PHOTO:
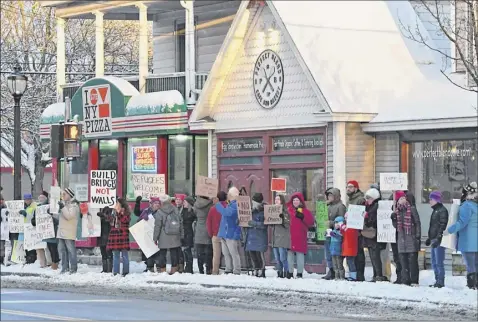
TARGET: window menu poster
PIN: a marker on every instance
(144, 159)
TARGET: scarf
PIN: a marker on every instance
(405, 223)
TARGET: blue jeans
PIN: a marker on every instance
(299, 259)
(67, 250)
(471, 261)
(438, 257)
(116, 261)
(352, 268)
(328, 256)
(280, 255)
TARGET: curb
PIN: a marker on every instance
(24, 274)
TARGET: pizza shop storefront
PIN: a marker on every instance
(134, 133)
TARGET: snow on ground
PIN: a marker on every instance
(455, 291)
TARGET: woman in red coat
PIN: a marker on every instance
(118, 240)
(300, 221)
(350, 249)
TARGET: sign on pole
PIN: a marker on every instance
(272, 214)
(148, 185)
(102, 188)
(206, 187)
(393, 181)
(355, 216)
(15, 219)
(55, 195)
(244, 210)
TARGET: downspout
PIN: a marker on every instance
(190, 72)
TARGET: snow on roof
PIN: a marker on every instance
(354, 50)
(156, 103)
(123, 85)
(53, 113)
(432, 100)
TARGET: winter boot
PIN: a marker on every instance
(105, 266)
(398, 280)
(1, 261)
(54, 266)
(257, 273)
(352, 277)
(174, 269)
(181, 268)
(289, 275)
(280, 274)
(151, 269)
(330, 275)
(109, 266)
(162, 270)
(299, 275)
(471, 281)
(263, 273)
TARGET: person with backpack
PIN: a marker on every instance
(168, 232)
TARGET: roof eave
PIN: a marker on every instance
(458, 122)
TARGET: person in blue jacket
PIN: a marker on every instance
(336, 248)
(256, 235)
(466, 227)
(230, 232)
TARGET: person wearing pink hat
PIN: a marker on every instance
(406, 220)
(438, 223)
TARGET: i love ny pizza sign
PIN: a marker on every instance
(97, 111)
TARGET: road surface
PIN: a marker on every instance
(22, 304)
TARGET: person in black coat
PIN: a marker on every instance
(106, 255)
(187, 243)
(438, 223)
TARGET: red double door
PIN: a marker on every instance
(253, 180)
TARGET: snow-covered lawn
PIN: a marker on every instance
(455, 291)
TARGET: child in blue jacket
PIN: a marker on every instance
(336, 248)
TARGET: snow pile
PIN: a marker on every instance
(455, 293)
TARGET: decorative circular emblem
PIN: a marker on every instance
(268, 79)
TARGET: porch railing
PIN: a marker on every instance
(154, 83)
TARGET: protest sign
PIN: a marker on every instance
(143, 235)
(148, 185)
(55, 194)
(18, 253)
(355, 216)
(102, 188)
(322, 219)
(393, 181)
(32, 240)
(449, 241)
(386, 233)
(278, 184)
(244, 210)
(15, 219)
(44, 223)
(206, 187)
(81, 192)
(272, 214)
(90, 222)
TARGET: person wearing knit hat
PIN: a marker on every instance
(406, 220)
(68, 223)
(202, 240)
(354, 194)
(256, 236)
(187, 242)
(438, 223)
(467, 229)
(213, 223)
(372, 197)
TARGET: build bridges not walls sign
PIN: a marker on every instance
(102, 188)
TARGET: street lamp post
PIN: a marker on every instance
(17, 84)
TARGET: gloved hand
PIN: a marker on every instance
(281, 216)
(23, 213)
(393, 216)
(299, 215)
(138, 199)
(6, 213)
(435, 243)
(445, 232)
(365, 215)
(156, 242)
(61, 205)
(250, 223)
(427, 242)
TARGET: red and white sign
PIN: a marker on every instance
(102, 188)
(278, 184)
(97, 111)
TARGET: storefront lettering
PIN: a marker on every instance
(298, 142)
(97, 110)
(443, 153)
(242, 145)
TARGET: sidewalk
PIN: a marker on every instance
(455, 294)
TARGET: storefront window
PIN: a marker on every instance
(142, 157)
(441, 165)
(181, 172)
(108, 155)
(200, 156)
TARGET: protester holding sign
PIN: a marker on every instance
(188, 217)
(118, 239)
(438, 223)
(29, 210)
(42, 201)
(230, 232)
(201, 237)
(301, 220)
(335, 209)
(357, 197)
(213, 223)
(281, 239)
(467, 229)
(67, 226)
(256, 236)
(102, 241)
(407, 222)
(369, 233)
(3, 224)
